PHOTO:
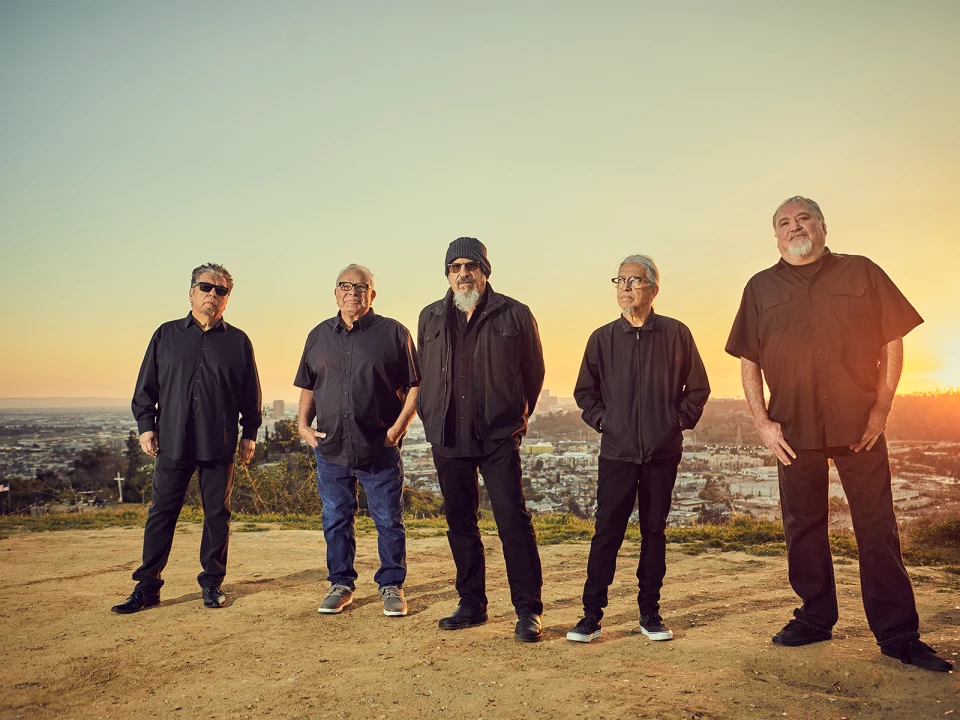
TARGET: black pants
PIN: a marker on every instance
(887, 592)
(170, 481)
(461, 496)
(619, 485)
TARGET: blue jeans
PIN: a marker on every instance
(383, 481)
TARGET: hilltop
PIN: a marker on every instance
(269, 653)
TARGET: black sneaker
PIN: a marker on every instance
(213, 597)
(914, 652)
(652, 626)
(586, 630)
(138, 600)
(796, 633)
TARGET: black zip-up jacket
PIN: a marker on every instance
(508, 367)
(640, 387)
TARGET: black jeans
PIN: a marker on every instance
(461, 497)
(170, 481)
(619, 485)
(884, 583)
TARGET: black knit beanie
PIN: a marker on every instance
(470, 248)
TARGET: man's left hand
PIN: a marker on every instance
(875, 426)
(246, 450)
(393, 437)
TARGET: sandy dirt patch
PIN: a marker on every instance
(269, 653)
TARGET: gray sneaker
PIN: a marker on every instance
(336, 600)
(394, 604)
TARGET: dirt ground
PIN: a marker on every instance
(269, 653)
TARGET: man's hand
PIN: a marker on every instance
(149, 443)
(393, 437)
(772, 436)
(875, 426)
(246, 450)
(310, 435)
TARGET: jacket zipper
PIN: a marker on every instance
(640, 393)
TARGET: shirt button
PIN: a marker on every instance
(815, 330)
(344, 414)
(818, 352)
(823, 397)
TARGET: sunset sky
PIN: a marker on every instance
(288, 139)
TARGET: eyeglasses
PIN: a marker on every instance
(207, 287)
(349, 286)
(631, 283)
(468, 266)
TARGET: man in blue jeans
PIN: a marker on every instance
(359, 378)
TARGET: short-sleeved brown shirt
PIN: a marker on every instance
(818, 342)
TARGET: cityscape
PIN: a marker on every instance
(718, 476)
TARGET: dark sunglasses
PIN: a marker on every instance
(349, 286)
(470, 267)
(207, 287)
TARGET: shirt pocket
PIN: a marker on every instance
(775, 312)
(850, 301)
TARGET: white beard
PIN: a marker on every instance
(466, 301)
(801, 247)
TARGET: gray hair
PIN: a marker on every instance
(799, 199)
(653, 275)
(362, 269)
(214, 268)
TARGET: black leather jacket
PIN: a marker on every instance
(640, 387)
(508, 367)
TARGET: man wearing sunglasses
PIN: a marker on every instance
(641, 384)
(197, 383)
(359, 377)
(483, 371)
(825, 332)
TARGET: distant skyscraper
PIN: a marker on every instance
(547, 401)
(278, 410)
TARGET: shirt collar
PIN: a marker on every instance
(360, 324)
(189, 320)
(824, 261)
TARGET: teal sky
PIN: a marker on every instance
(288, 139)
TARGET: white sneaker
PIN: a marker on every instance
(652, 626)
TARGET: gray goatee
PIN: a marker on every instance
(466, 301)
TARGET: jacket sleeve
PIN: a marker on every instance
(146, 395)
(251, 412)
(587, 391)
(696, 387)
(531, 360)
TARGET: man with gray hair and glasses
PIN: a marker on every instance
(826, 333)
(197, 380)
(359, 378)
(641, 384)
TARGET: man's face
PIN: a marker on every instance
(209, 303)
(354, 301)
(800, 233)
(465, 281)
(636, 301)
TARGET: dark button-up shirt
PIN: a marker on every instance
(817, 340)
(194, 386)
(460, 432)
(360, 379)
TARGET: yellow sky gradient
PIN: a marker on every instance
(285, 142)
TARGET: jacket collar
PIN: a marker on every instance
(493, 300)
(649, 325)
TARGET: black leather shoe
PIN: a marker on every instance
(138, 600)
(529, 628)
(463, 617)
(914, 652)
(796, 633)
(213, 597)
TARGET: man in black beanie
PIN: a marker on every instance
(482, 370)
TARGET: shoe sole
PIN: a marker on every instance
(333, 611)
(395, 613)
(462, 626)
(131, 612)
(215, 606)
(581, 637)
(528, 638)
(657, 635)
(777, 640)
